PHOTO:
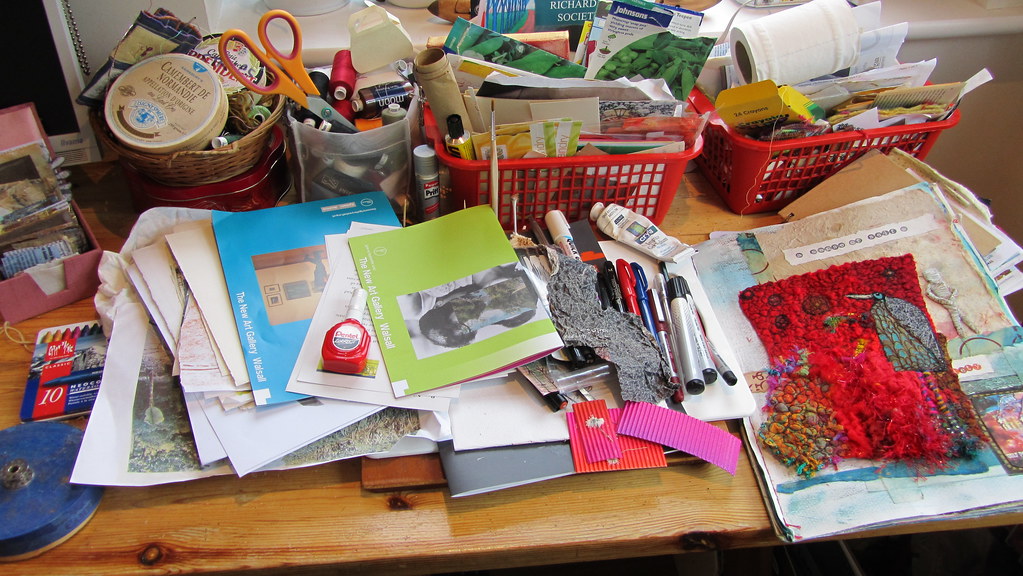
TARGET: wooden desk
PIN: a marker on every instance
(319, 520)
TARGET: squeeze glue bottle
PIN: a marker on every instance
(638, 232)
(346, 345)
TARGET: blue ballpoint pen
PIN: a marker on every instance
(641, 298)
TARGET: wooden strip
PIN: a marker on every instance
(402, 473)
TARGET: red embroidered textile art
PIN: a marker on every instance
(860, 372)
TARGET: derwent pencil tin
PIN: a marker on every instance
(166, 104)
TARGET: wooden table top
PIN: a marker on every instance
(320, 520)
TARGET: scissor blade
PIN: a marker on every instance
(325, 111)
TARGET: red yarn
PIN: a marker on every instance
(861, 405)
(883, 412)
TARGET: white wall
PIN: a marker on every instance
(982, 151)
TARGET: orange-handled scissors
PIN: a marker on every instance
(289, 74)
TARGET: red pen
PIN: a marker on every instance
(627, 281)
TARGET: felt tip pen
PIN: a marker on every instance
(663, 338)
(710, 373)
(556, 401)
(719, 363)
(613, 287)
(685, 338)
(661, 290)
(627, 283)
(603, 291)
(641, 298)
(561, 235)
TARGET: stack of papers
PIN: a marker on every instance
(217, 320)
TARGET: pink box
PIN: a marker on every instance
(21, 298)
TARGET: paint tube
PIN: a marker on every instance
(638, 232)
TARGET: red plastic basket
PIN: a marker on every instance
(644, 183)
(754, 176)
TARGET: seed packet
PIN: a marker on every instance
(644, 40)
(150, 35)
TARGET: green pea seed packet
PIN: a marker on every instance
(644, 40)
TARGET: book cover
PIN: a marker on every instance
(66, 370)
(275, 263)
(450, 301)
(524, 16)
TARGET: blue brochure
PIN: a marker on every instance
(275, 263)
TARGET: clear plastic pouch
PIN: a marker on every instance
(329, 165)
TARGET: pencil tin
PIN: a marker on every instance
(259, 187)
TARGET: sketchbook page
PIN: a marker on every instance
(907, 221)
(157, 266)
(856, 494)
(373, 385)
(255, 437)
(207, 444)
(861, 494)
(275, 263)
(450, 301)
(196, 254)
(718, 401)
(142, 289)
(139, 433)
(508, 410)
(199, 365)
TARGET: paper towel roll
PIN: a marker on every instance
(798, 44)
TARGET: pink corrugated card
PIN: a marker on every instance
(597, 432)
(636, 453)
(682, 432)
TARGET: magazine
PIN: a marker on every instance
(275, 264)
(450, 301)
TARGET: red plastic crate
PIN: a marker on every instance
(754, 176)
(644, 183)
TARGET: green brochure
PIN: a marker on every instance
(450, 301)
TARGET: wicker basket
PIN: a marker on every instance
(194, 168)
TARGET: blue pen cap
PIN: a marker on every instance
(641, 285)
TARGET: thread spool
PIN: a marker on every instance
(393, 113)
(344, 108)
(342, 75)
(322, 82)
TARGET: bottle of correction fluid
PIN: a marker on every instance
(346, 345)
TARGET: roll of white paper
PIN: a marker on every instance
(798, 44)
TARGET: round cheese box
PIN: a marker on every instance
(166, 104)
